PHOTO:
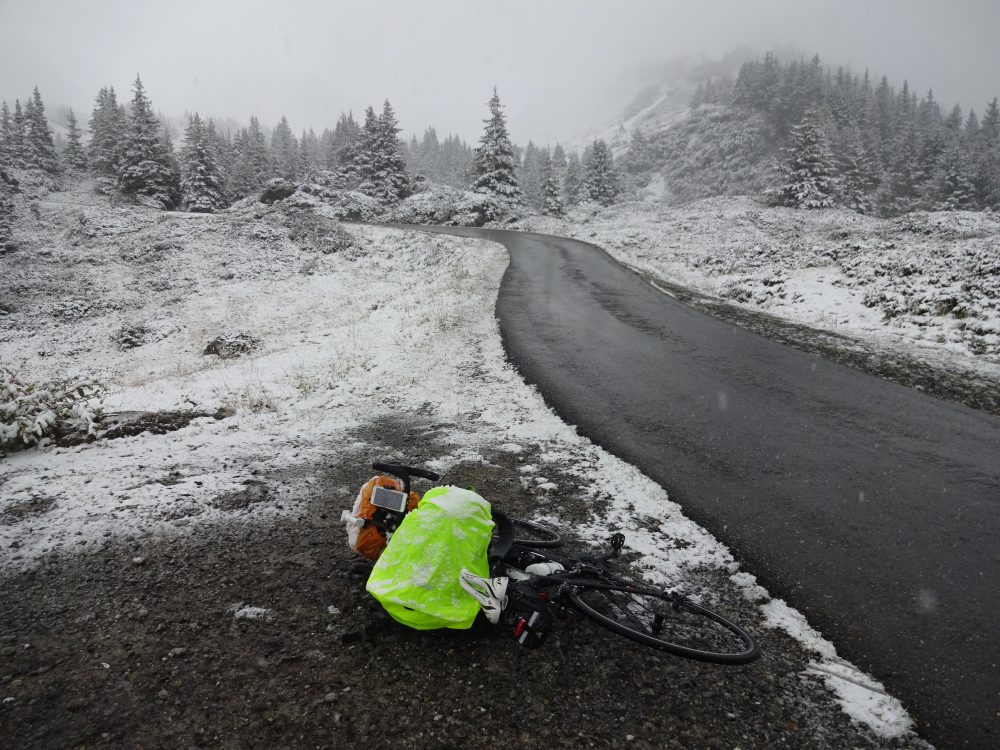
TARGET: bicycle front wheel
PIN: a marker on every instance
(665, 621)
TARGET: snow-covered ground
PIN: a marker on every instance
(925, 283)
(390, 324)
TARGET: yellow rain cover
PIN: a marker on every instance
(416, 577)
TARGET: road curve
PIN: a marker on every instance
(873, 508)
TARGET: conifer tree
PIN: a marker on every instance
(39, 149)
(6, 130)
(810, 180)
(172, 168)
(494, 164)
(385, 168)
(107, 128)
(6, 211)
(18, 136)
(858, 174)
(358, 168)
(201, 181)
(954, 187)
(602, 183)
(573, 180)
(143, 172)
(551, 202)
(284, 151)
(75, 156)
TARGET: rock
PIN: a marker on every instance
(138, 560)
(232, 345)
(277, 190)
(176, 652)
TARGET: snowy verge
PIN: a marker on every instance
(395, 325)
(924, 283)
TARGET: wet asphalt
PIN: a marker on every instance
(872, 508)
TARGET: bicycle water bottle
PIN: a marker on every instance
(544, 568)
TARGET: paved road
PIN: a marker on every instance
(871, 507)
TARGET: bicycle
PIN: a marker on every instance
(540, 582)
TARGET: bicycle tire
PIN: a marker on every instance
(535, 535)
(694, 632)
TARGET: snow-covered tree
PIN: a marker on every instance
(359, 165)
(17, 147)
(143, 172)
(858, 172)
(385, 176)
(602, 183)
(573, 180)
(494, 167)
(75, 155)
(809, 172)
(6, 133)
(39, 148)
(953, 182)
(107, 130)
(7, 188)
(201, 181)
(171, 166)
(551, 202)
(530, 175)
(284, 151)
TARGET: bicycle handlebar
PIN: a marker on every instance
(405, 472)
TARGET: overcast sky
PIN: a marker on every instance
(561, 67)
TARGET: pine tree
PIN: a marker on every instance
(107, 129)
(143, 171)
(360, 166)
(385, 169)
(6, 131)
(810, 180)
(171, 168)
(494, 165)
(284, 151)
(857, 170)
(6, 211)
(18, 137)
(602, 182)
(573, 180)
(954, 188)
(551, 202)
(39, 148)
(201, 181)
(75, 156)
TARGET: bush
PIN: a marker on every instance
(232, 345)
(440, 204)
(30, 412)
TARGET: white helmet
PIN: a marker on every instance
(491, 593)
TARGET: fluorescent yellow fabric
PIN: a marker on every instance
(416, 577)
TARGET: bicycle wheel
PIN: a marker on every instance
(534, 534)
(665, 621)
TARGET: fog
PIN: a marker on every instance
(560, 67)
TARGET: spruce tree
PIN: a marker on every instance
(494, 165)
(530, 175)
(809, 173)
(603, 185)
(386, 178)
(573, 180)
(75, 155)
(284, 151)
(551, 202)
(7, 188)
(6, 130)
(143, 172)
(201, 181)
(18, 137)
(39, 148)
(257, 155)
(107, 129)
(360, 166)
(954, 187)
(171, 167)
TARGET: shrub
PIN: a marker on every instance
(32, 411)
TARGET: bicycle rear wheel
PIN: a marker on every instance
(665, 621)
(534, 534)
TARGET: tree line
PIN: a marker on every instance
(131, 153)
